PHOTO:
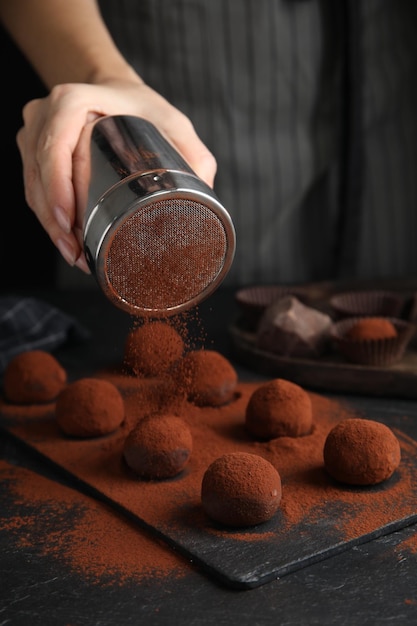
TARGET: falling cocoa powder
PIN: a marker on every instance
(153, 348)
(206, 378)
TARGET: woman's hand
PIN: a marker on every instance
(48, 140)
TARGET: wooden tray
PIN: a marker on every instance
(331, 372)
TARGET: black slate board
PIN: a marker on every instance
(249, 558)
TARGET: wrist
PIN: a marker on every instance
(122, 72)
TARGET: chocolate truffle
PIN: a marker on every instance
(361, 452)
(371, 328)
(89, 407)
(279, 408)
(152, 349)
(207, 378)
(241, 489)
(33, 377)
(290, 328)
(158, 447)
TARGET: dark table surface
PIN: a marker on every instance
(373, 583)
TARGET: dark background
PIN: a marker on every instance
(28, 258)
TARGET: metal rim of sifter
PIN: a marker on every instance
(164, 252)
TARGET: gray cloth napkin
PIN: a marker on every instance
(32, 324)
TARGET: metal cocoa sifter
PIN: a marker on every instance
(156, 237)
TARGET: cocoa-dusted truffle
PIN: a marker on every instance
(89, 407)
(206, 377)
(361, 452)
(377, 342)
(371, 328)
(241, 489)
(158, 447)
(33, 377)
(152, 349)
(290, 328)
(279, 408)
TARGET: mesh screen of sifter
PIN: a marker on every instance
(166, 255)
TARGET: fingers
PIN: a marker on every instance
(46, 143)
(55, 168)
(182, 135)
(197, 155)
(179, 130)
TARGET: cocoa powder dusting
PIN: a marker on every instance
(153, 348)
(206, 378)
(409, 544)
(306, 487)
(216, 430)
(92, 540)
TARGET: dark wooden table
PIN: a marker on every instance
(371, 584)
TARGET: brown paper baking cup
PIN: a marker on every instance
(367, 303)
(372, 352)
(411, 308)
(253, 300)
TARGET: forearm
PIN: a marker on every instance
(65, 41)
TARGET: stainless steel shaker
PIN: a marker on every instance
(156, 237)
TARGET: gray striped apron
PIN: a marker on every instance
(310, 109)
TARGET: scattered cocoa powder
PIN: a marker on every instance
(372, 328)
(33, 377)
(172, 506)
(85, 535)
(409, 544)
(306, 487)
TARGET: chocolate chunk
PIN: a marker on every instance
(290, 328)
